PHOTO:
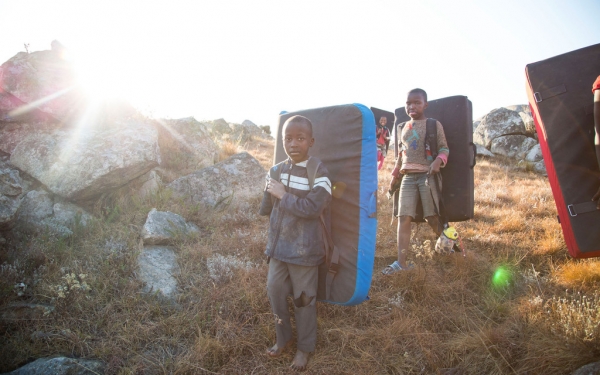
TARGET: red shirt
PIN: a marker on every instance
(596, 85)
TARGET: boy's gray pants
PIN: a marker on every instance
(301, 282)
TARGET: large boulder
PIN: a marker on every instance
(234, 182)
(61, 366)
(513, 146)
(164, 227)
(157, 269)
(42, 80)
(11, 191)
(40, 211)
(189, 142)
(499, 122)
(82, 164)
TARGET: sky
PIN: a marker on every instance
(250, 60)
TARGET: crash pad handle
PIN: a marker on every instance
(474, 154)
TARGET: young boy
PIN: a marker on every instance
(383, 141)
(418, 168)
(295, 244)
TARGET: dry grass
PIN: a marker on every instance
(445, 317)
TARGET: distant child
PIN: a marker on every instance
(383, 141)
(596, 91)
(295, 244)
(418, 169)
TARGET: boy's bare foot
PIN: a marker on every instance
(275, 351)
(300, 360)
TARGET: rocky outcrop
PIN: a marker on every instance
(234, 182)
(61, 366)
(509, 131)
(164, 227)
(83, 164)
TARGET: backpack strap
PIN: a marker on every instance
(312, 165)
(332, 252)
(431, 137)
(398, 129)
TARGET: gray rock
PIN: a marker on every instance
(589, 369)
(482, 151)
(61, 366)
(82, 165)
(43, 79)
(11, 189)
(157, 269)
(164, 227)
(535, 154)
(513, 146)
(499, 122)
(40, 211)
(232, 182)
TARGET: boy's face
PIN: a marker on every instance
(297, 139)
(415, 106)
(382, 121)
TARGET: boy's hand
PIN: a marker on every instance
(276, 188)
(392, 183)
(435, 166)
(597, 199)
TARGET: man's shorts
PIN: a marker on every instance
(415, 185)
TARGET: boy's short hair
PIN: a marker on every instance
(297, 119)
(418, 91)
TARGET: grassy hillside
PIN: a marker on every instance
(515, 304)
